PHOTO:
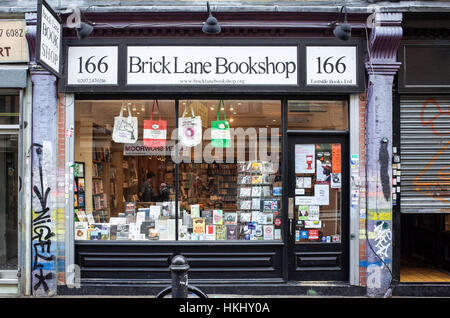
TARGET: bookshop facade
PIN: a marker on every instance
(236, 153)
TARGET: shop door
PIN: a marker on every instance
(318, 207)
(8, 209)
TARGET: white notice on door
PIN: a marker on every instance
(322, 194)
(304, 158)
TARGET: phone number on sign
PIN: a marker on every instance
(11, 33)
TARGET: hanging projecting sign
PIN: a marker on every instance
(92, 65)
(13, 44)
(212, 65)
(49, 38)
(331, 65)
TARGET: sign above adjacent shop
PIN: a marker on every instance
(13, 44)
(235, 65)
(49, 38)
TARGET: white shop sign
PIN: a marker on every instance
(212, 65)
(49, 38)
(331, 65)
(92, 65)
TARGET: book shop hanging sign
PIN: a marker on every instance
(49, 38)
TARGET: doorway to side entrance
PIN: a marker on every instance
(425, 246)
(317, 189)
(8, 212)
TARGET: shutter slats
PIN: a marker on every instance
(425, 154)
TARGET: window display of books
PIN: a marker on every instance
(258, 203)
(155, 222)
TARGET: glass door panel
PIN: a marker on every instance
(317, 188)
(318, 196)
(8, 201)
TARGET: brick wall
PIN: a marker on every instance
(60, 197)
(362, 193)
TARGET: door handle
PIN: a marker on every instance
(290, 227)
(20, 184)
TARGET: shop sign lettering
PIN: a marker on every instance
(13, 44)
(331, 65)
(49, 38)
(212, 65)
(92, 65)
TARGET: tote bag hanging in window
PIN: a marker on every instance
(220, 130)
(189, 129)
(155, 131)
(125, 128)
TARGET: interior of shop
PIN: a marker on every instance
(425, 247)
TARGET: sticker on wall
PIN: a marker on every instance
(304, 158)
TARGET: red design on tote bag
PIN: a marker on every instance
(155, 131)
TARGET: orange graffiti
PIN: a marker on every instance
(442, 175)
(427, 123)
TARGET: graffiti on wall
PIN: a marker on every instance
(430, 188)
(43, 252)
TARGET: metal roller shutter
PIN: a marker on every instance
(425, 154)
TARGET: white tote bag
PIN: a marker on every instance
(125, 128)
(189, 129)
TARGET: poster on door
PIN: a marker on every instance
(304, 158)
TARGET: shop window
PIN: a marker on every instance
(228, 172)
(318, 115)
(9, 109)
(230, 189)
(122, 191)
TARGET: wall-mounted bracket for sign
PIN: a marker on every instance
(49, 38)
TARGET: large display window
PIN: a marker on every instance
(213, 173)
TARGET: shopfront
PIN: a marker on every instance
(423, 220)
(233, 152)
(13, 81)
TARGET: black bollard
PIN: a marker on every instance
(178, 269)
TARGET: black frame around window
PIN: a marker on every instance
(276, 252)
